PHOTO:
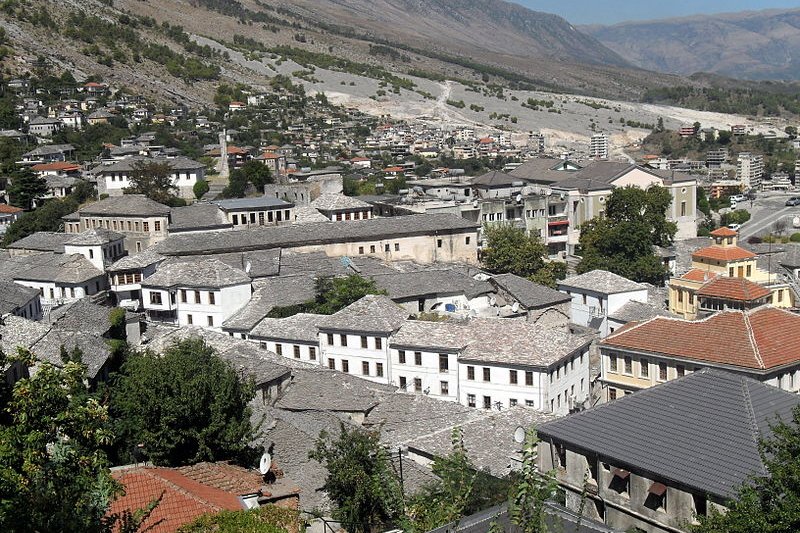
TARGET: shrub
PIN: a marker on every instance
(200, 188)
(795, 237)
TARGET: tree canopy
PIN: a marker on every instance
(184, 406)
(26, 187)
(768, 503)
(252, 173)
(267, 519)
(154, 180)
(509, 250)
(622, 240)
(332, 295)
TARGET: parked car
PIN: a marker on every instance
(793, 201)
(734, 227)
(737, 198)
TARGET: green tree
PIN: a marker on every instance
(768, 503)
(251, 173)
(360, 480)
(509, 250)
(26, 187)
(532, 491)
(702, 202)
(184, 406)
(267, 519)
(154, 180)
(200, 189)
(334, 294)
(45, 218)
(622, 241)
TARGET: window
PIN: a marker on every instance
(235, 220)
(730, 272)
(157, 225)
(296, 351)
(343, 340)
(662, 371)
(397, 247)
(644, 368)
(620, 481)
(345, 366)
(444, 388)
(612, 394)
(332, 364)
(91, 254)
(189, 320)
(528, 403)
(683, 209)
(680, 370)
(145, 226)
(312, 353)
(261, 218)
(360, 250)
(612, 360)
(471, 373)
(512, 377)
(628, 365)
(470, 400)
(417, 384)
(155, 297)
(386, 247)
(211, 321)
(529, 378)
(330, 339)
(183, 296)
(211, 298)
(378, 343)
(197, 297)
(279, 348)
(418, 358)
(487, 374)
(401, 357)
(365, 368)
(512, 402)
(680, 296)
(466, 240)
(444, 362)
(780, 295)
(438, 243)
(487, 402)
(372, 248)
(749, 271)
(363, 342)
(379, 369)
(656, 497)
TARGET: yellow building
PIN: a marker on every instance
(709, 285)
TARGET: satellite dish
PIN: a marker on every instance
(265, 464)
(515, 307)
(519, 435)
(247, 267)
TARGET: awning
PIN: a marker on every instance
(621, 473)
(559, 223)
(657, 489)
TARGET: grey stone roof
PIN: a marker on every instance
(43, 241)
(197, 216)
(309, 234)
(246, 204)
(92, 237)
(328, 390)
(137, 261)
(305, 214)
(791, 256)
(64, 269)
(445, 336)
(269, 293)
(13, 296)
(302, 327)
(43, 120)
(515, 342)
(95, 350)
(49, 149)
(637, 312)
(17, 332)
(701, 430)
(600, 281)
(412, 285)
(129, 163)
(82, 315)
(370, 314)
(256, 264)
(134, 205)
(319, 264)
(684, 250)
(188, 273)
(338, 202)
(542, 170)
(530, 295)
(496, 179)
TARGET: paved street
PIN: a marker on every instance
(766, 210)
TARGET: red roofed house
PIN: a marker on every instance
(361, 162)
(236, 106)
(763, 343)
(8, 214)
(236, 156)
(56, 168)
(275, 162)
(725, 276)
(192, 491)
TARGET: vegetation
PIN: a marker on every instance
(154, 180)
(267, 519)
(739, 216)
(200, 189)
(532, 490)
(252, 173)
(748, 99)
(182, 407)
(26, 188)
(510, 250)
(332, 295)
(622, 241)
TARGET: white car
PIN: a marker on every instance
(734, 227)
(737, 198)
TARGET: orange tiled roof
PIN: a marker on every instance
(5, 208)
(57, 165)
(184, 499)
(739, 289)
(724, 253)
(393, 169)
(698, 274)
(226, 477)
(724, 231)
(271, 155)
(763, 338)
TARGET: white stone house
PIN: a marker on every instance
(295, 337)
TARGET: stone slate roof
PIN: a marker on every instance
(370, 314)
(17, 332)
(496, 179)
(701, 430)
(530, 295)
(93, 237)
(413, 285)
(302, 327)
(95, 350)
(49, 149)
(319, 264)
(600, 281)
(305, 214)
(64, 269)
(445, 336)
(245, 204)
(137, 261)
(81, 315)
(262, 263)
(213, 274)
(264, 238)
(128, 164)
(543, 170)
(634, 311)
(196, 217)
(133, 205)
(338, 202)
(328, 390)
(13, 296)
(269, 293)
(43, 241)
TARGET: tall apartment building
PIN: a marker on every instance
(749, 170)
(598, 146)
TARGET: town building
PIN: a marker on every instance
(749, 170)
(19, 300)
(598, 146)
(114, 178)
(8, 215)
(244, 213)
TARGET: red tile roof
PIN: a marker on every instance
(183, 500)
(739, 289)
(764, 338)
(724, 232)
(57, 165)
(393, 169)
(9, 209)
(723, 253)
(698, 274)
(229, 478)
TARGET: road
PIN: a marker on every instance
(767, 209)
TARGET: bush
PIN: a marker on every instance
(200, 188)
(795, 237)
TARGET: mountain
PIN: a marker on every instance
(757, 45)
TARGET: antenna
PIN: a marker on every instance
(265, 464)
(519, 435)
(247, 267)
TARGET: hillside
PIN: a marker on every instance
(756, 45)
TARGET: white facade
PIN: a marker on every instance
(591, 308)
(425, 372)
(749, 170)
(54, 293)
(195, 306)
(344, 351)
(100, 255)
(598, 146)
(291, 349)
(113, 183)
